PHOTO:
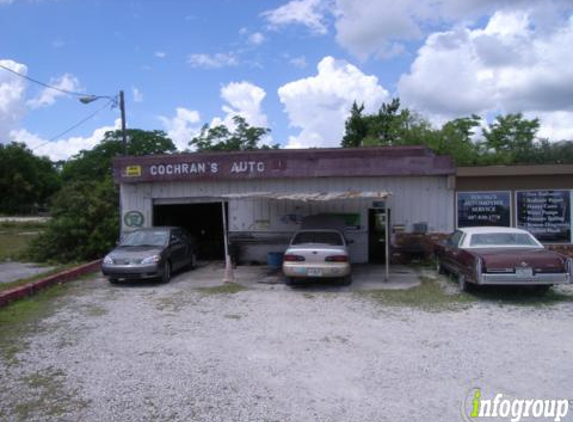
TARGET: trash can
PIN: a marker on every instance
(274, 260)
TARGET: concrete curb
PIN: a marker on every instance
(29, 289)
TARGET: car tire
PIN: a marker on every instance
(439, 267)
(541, 289)
(289, 281)
(166, 273)
(464, 285)
(113, 281)
(347, 281)
(193, 262)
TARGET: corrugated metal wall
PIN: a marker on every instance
(415, 199)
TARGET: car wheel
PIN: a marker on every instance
(347, 281)
(113, 280)
(289, 281)
(166, 273)
(541, 289)
(193, 263)
(462, 282)
(439, 267)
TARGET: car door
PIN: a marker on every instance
(451, 251)
(178, 249)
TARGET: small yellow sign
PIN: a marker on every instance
(133, 171)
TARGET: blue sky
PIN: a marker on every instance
(294, 66)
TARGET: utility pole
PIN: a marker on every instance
(123, 131)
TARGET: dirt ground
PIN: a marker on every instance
(197, 350)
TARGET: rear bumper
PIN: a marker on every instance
(536, 279)
(308, 270)
(135, 272)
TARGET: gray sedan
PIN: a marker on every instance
(150, 253)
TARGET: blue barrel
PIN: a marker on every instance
(274, 259)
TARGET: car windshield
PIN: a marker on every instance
(327, 238)
(505, 239)
(146, 238)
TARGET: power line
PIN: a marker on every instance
(85, 119)
(65, 91)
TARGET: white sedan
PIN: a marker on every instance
(317, 254)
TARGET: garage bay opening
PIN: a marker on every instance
(202, 220)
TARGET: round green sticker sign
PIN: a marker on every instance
(133, 219)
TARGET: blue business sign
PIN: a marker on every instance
(483, 209)
(545, 213)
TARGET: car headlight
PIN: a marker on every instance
(151, 259)
(108, 260)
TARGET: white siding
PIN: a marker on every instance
(415, 199)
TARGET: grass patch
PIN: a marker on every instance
(429, 296)
(49, 396)
(15, 238)
(20, 319)
(14, 246)
(17, 226)
(522, 296)
(227, 288)
(22, 281)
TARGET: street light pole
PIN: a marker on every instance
(123, 131)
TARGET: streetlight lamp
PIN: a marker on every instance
(91, 98)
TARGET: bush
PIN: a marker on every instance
(84, 224)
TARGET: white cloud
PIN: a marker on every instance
(183, 127)
(256, 38)
(299, 62)
(244, 99)
(160, 54)
(48, 96)
(137, 95)
(12, 98)
(213, 61)
(319, 105)
(309, 13)
(554, 125)
(510, 65)
(61, 149)
(368, 28)
(374, 26)
(241, 99)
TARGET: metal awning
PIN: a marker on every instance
(305, 197)
(310, 196)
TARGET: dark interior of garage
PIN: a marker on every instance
(204, 221)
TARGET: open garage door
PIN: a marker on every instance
(202, 220)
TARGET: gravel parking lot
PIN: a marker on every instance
(265, 352)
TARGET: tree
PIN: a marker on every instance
(85, 221)
(455, 138)
(356, 127)
(96, 163)
(219, 138)
(510, 139)
(390, 126)
(26, 180)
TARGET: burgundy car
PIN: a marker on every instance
(501, 256)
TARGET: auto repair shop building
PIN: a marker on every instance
(265, 194)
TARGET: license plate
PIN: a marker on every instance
(523, 272)
(314, 272)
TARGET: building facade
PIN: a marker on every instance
(198, 190)
(261, 197)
